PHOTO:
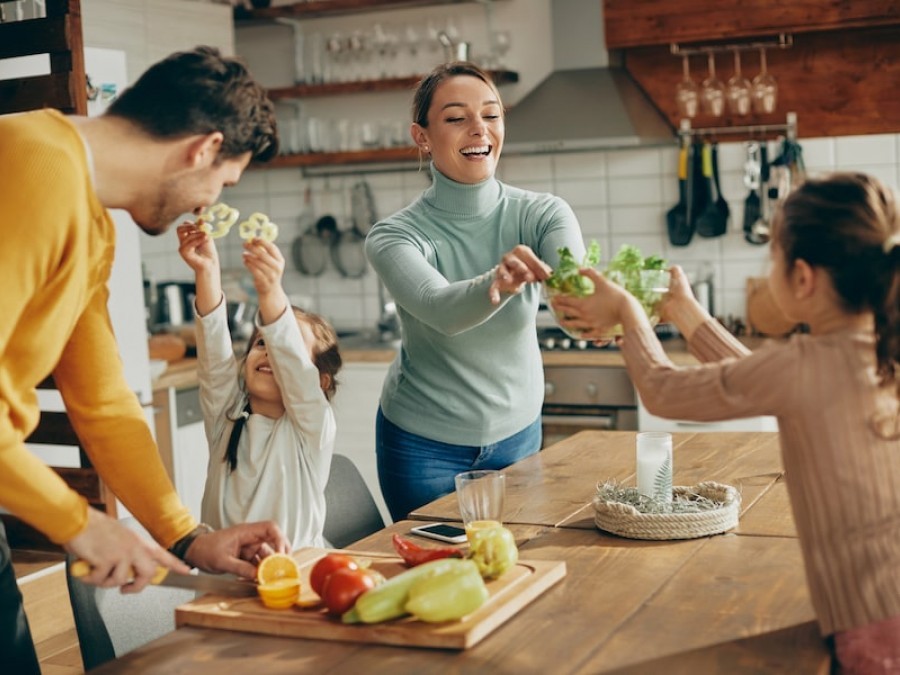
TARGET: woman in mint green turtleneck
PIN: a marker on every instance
(463, 263)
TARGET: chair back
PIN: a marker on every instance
(110, 623)
(58, 35)
(351, 512)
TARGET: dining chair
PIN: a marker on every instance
(110, 623)
(352, 513)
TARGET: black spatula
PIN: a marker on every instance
(678, 217)
(713, 221)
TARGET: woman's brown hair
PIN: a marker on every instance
(849, 224)
(424, 93)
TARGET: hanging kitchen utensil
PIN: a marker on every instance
(759, 229)
(701, 182)
(751, 180)
(348, 253)
(677, 218)
(308, 252)
(713, 221)
(362, 207)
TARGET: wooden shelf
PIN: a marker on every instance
(320, 8)
(369, 86)
(404, 154)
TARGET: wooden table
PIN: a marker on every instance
(733, 603)
(555, 487)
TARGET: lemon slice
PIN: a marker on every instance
(279, 594)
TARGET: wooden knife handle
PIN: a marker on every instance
(81, 568)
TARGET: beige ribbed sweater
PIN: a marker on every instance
(843, 480)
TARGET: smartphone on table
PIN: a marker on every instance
(452, 534)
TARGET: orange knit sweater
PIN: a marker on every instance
(55, 258)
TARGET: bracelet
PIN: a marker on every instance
(180, 548)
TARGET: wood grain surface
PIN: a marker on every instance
(556, 486)
(508, 594)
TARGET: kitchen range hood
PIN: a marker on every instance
(587, 102)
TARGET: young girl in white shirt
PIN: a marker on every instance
(268, 419)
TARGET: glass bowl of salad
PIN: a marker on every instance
(645, 278)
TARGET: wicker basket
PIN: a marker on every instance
(627, 521)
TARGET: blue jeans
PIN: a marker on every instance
(414, 470)
(16, 645)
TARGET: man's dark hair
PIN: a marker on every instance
(200, 92)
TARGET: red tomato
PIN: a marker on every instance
(344, 586)
(325, 566)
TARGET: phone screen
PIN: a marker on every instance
(444, 530)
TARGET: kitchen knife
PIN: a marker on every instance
(205, 583)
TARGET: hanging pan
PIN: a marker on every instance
(348, 254)
(310, 250)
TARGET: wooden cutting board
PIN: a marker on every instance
(513, 591)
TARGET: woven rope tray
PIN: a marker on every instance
(627, 521)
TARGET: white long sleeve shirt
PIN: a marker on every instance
(282, 464)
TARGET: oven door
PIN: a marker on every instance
(559, 422)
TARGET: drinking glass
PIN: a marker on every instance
(686, 92)
(654, 465)
(480, 495)
(737, 90)
(764, 89)
(712, 91)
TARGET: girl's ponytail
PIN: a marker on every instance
(887, 317)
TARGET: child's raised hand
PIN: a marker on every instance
(593, 315)
(197, 248)
(266, 263)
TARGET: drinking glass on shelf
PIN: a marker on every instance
(686, 95)
(712, 91)
(764, 89)
(502, 43)
(737, 90)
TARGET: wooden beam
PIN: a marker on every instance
(648, 22)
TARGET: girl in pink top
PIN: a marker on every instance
(835, 267)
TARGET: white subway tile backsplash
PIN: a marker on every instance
(619, 197)
(580, 165)
(628, 220)
(636, 191)
(517, 168)
(819, 152)
(865, 150)
(641, 163)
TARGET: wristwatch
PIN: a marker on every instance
(179, 548)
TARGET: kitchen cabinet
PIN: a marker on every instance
(837, 75)
(182, 442)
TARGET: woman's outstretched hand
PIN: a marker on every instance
(518, 267)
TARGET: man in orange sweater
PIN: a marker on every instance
(189, 126)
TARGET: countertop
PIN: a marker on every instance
(182, 374)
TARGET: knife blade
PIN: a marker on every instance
(221, 584)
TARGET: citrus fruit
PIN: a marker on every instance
(279, 594)
(275, 567)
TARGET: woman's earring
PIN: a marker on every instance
(425, 148)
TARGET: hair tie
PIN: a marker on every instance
(890, 243)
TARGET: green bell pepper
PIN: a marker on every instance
(448, 595)
(493, 550)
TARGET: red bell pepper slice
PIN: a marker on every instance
(413, 554)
